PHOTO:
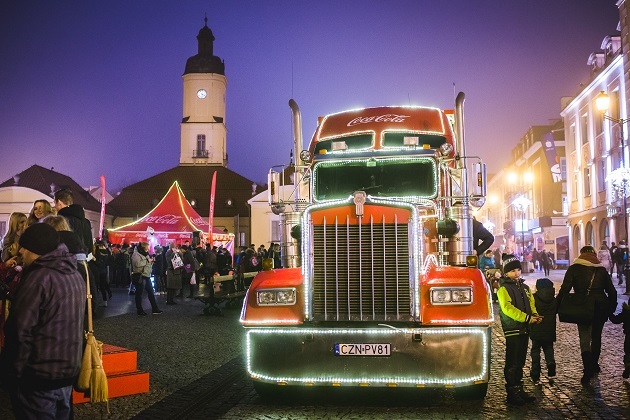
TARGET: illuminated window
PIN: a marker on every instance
(587, 182)
(584, 129)
(601, 175)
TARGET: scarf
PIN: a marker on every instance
(587, 258)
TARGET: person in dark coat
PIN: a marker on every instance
(623, 317)
(75, 215)
(44, 332)
(480, 233)
(587, 276)
(543, 335)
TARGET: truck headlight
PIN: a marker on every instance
(279, 297)
(451, 295)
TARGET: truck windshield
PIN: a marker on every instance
(389, 177)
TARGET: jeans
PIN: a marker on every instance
(547, 347)
(146, 285)
(515, 355)
(51, 404)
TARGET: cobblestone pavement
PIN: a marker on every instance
(197, 371)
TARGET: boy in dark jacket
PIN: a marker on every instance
(624, 317)
(517, 312)
(543, 334)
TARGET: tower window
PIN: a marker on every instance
(201, 151)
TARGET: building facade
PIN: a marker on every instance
(526, 200)
(595, 148)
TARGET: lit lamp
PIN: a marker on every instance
(521, 203)
(620, 177)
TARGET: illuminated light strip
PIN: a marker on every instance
(308, 262)
(337, 381)
(463, 321)
(271, 322)
(409, 107)
(436, 179)
(350, 134)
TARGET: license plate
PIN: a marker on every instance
(362, 349)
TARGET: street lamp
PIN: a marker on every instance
(521, 203)
(620, 177)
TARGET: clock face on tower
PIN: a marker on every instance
(201, 93)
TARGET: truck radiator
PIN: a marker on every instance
(361, 271)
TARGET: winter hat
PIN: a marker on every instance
(40, 238)
(544, 283)
(510, 262)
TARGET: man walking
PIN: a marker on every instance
(44, 332)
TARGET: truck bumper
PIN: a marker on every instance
(419, 357)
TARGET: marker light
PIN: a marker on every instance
(276, 297)
(446, 149)
(339, 145)
(451, 295)
(410, 141)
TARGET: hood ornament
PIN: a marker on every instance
(359, 201)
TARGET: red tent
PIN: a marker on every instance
(172, 220)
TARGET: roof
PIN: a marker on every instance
(232, 192)
(48, 182)
(172, 214)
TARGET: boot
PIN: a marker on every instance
(513, 397)
(596, 368)
(587, 363)
(525, 396)
(551, 370)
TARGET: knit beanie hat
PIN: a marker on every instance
(510, 262)
(40, 238)
(544, 283)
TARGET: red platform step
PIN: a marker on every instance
(123, 376)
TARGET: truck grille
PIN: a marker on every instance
(361, 271)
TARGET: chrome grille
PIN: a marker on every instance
(361, 271)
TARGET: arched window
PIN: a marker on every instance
(590, 235)
(604, 232)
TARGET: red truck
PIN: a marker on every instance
(379, 285)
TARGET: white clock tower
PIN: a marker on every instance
(203, 129)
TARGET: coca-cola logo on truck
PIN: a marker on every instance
(166, 219)
(381, 118)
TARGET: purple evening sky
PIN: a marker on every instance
(93, 87)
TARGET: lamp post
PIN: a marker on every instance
(521, 202)
(620, 177)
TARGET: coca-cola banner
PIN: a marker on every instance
(549, 146)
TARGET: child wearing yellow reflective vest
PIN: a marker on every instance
(517, 311)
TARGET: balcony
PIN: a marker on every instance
(200, 154)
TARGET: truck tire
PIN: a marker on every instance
(472, 392)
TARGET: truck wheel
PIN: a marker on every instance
(472, 392)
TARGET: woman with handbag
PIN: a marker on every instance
(593, 300)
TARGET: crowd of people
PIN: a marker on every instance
(50, 254)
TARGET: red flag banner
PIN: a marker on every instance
(102, 222)
(211, 212)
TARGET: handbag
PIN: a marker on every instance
(177, 261)
(136, 279)
(578, 308)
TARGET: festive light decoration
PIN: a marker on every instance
(415, 379)
(368, 161)
(620, 181)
